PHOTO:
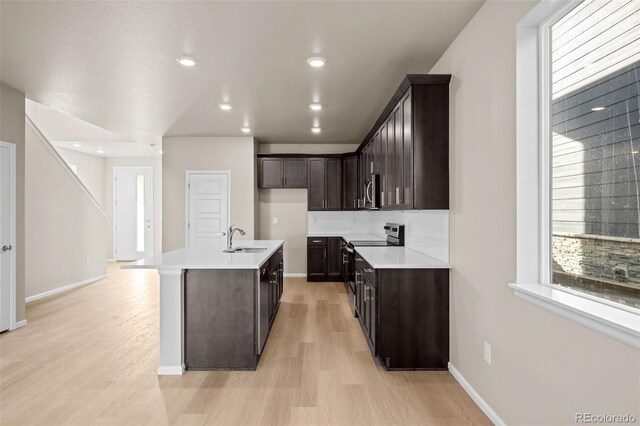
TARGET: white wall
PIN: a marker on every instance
(90, 170)
(12, 103)
(65, 229)
(156, 165)
(426, 231)
(182, 153)
(545, 368)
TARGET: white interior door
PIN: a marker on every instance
(133, 213)
(7, 235)
(208, 209)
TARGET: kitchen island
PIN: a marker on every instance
(216, 308)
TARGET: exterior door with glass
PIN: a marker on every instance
(133, 213)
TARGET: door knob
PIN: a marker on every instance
(6, 248)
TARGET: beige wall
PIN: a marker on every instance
(182, 153)
(294, 148)
(12, 130)
(545, 368)
(90, 170)
(65, 230)
(156, 165)
(289, 206)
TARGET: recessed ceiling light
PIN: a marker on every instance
(315, 107)
(246, 130)
(225, 107)
(77, 144)
(600, 108)
(316, 62)
(186, 61)
(316, 129)
(161, 152)
(100, 151)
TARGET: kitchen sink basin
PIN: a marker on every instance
(246, 250)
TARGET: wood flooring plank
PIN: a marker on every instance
(89, 356)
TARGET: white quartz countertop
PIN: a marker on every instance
(387, 257)
(348, 236)
(189, 258)
(399, 258)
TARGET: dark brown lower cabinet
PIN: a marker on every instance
(229, 313)
(324, 259)
(404, 315)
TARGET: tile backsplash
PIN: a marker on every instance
(339, 222)
(426, 231)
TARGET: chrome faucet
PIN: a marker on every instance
(232, 231)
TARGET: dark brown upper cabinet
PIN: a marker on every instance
(412, 152)
(350, 183)
(295, 172)
(278, 172)
(408, 146)
(270, 172)
(316, 188)
(325, 184)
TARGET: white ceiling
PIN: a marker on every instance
(113, 64)
(66, 131)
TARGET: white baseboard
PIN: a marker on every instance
(294, 275)
(63, 288)
(486, 409)
(20, 324)
(170, 370)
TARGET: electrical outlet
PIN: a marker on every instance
(487, 353)
(275, 220)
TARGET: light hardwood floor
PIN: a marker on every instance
(89, 356)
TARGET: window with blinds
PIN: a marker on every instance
(595, 56)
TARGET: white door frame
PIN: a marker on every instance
(12, 233)
(114, 216)
(187, 213)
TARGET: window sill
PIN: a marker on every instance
(619, 324)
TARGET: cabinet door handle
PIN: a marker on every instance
(325, 253)
(317, 241)
(397, 195)
(369, 270)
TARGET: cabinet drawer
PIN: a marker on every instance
(366, 269)
(316, 241)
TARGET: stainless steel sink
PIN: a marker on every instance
(246, 250)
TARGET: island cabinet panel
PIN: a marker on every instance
(264, 309)
(228, 314)
(270, 173)
(295, 173)
(217, 333)
(413, 319)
